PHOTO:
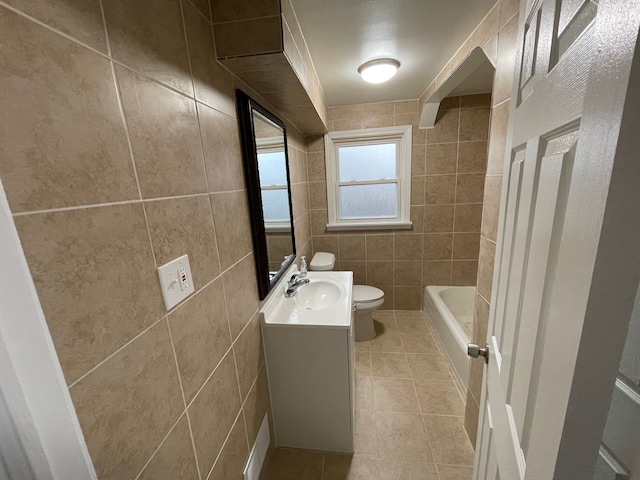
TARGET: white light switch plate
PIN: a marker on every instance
(176, 281)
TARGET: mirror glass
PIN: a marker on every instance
(264, 143)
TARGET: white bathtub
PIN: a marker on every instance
(451, 312)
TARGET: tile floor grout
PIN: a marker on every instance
(441, 427)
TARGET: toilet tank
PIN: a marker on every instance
(322, 261)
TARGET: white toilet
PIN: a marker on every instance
(366, 299)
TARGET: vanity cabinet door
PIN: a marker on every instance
(312, 386)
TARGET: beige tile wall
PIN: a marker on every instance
(497, 35)
(262, 42)
(120, 151)
(447, 180)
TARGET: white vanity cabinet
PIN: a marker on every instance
(310, 364)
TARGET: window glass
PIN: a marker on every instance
(272, 168)
(368, 201)
(367, 162)
(275, 205)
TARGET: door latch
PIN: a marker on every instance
(476, 351)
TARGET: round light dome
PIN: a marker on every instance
(378, 71)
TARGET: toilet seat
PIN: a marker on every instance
(366, 294)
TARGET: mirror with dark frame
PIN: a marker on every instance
(266, 169)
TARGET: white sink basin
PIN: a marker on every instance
(324, 301)
(318, 295)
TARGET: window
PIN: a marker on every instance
(369, 178)
(272, 168)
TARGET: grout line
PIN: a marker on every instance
(110, 356)
(184, 398)
(181, 304)
(224, 444)
(53, 29)
(160, 446)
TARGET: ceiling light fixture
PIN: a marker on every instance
(378, 71)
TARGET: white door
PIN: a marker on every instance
(568, 253)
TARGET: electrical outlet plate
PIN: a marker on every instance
(176, 281)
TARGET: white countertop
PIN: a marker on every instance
(281, 311)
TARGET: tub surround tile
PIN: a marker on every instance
(165, 137)
(466, 246)
(438, 246)
(471, 417)
(446, 127)
(408, 247)
(148, 38)
(472, 157)
(440, 189)
(436, 273)
(491, 206)
(200, 330)
(498, 133)
(128, 404)
(474, 124)
(438, 218)
(441, 159)
(407, 298)
(467, 217)
(470, 188)
(54, 78)
(175, 458)
(407, 273)
(464, 272)
(485, 267)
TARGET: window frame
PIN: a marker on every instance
(272, 145)
(401, 135)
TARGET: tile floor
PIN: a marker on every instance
(409, 413)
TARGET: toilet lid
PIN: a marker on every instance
(365, 294)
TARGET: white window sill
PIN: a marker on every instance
(369, 226)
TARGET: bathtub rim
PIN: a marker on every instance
(447, 330)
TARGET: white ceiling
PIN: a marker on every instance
(422, 34)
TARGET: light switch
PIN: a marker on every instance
(176, 281)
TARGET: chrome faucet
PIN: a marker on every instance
(293, 284)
